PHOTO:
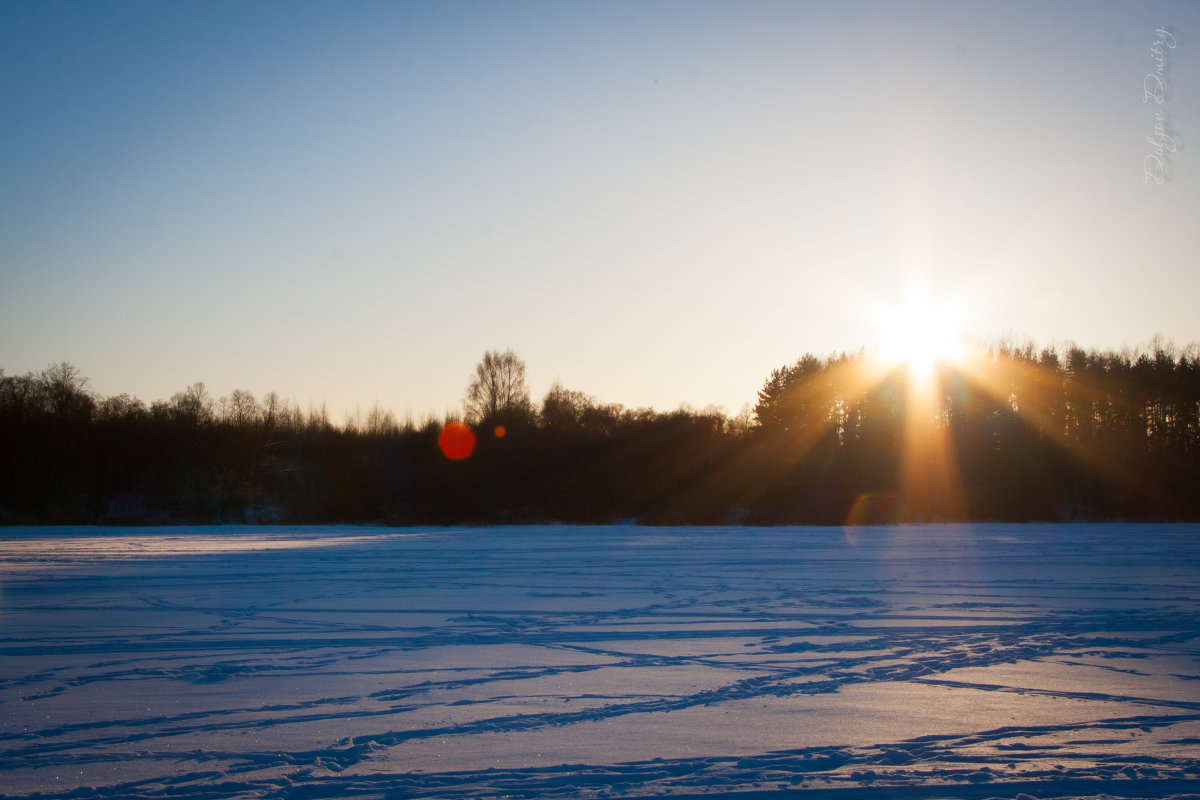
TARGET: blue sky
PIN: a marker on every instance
(654, 202)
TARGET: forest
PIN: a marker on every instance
(1012, 433)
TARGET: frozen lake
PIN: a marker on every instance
(915, 662)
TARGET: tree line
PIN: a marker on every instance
(1013, 433)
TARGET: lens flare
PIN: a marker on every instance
(873, 508)
(456, 441)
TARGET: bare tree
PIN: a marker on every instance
(274, 412)
(66, 390)
(122, 407)
(498, 391)
(381, 421)
(563, 407)
(21, 396)
(193, 405)
(242, 410)
(318, 419)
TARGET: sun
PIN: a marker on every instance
(922, 333)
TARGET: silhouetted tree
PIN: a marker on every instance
(21, 397)
(240, 409)
(562, 407)
(498, 391)
(1017, 434)
(192, 406)
(66, 391)
(793, 395)
(121, 408)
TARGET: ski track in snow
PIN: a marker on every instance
(940, 661)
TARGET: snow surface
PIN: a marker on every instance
(911, 662)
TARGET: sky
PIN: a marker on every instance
(652, 202)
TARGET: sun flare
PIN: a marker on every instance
(922, 333)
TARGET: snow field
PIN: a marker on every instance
(620, 661)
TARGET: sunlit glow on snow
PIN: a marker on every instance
(22, 554)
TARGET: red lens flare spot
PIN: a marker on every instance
(500, 431)
(456, 441)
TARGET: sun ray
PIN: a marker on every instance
(1029, 390)
(930, 484)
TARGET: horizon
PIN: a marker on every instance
(923, 368)
(658, 204)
